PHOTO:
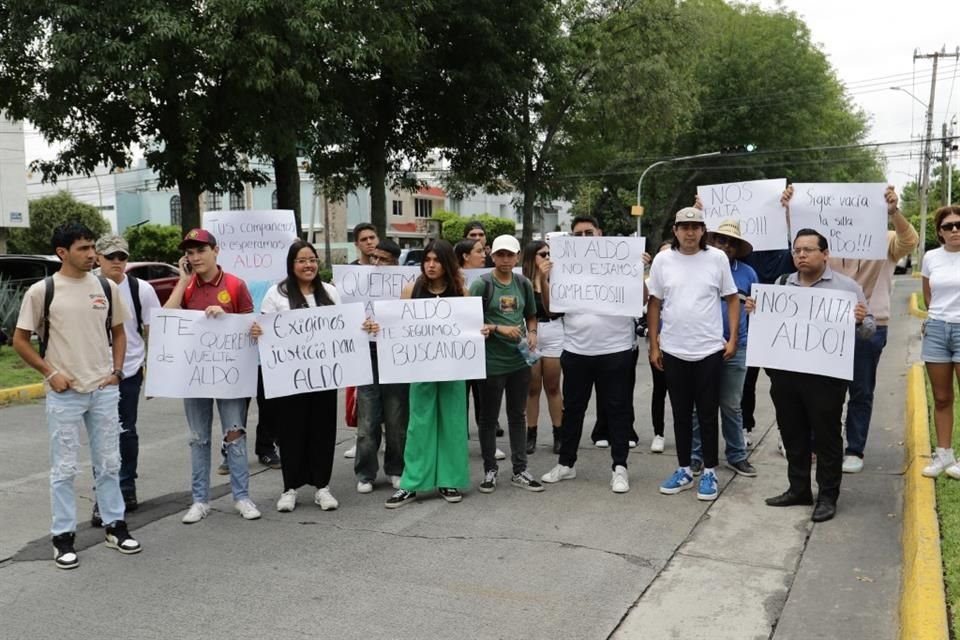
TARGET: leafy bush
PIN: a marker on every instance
(453, 225)
(11, 297)
(154, 243)
(48, 213)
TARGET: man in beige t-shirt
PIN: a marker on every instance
(82, 368)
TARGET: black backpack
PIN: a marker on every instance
(48, 298)
(135, 295)
(487, 278)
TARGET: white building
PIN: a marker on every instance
(13, 176)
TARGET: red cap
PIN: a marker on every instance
(198, 236)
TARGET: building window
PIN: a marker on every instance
(236, 202)
(423, 208)
(274, 201)
(398, 207)
(176, 211)
(214, 201)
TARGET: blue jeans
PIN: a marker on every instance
(387, 404)
(129, 440)
(233, 417)
(67, 413)
(866, 357)
(731, 419)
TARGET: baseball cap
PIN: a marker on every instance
(689, 214)
(505, 243)
(111, 243)
(198, 236)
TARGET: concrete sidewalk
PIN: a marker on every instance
(576, 561)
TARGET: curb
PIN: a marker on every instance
(923, 611)
(915, 310)
(25, 393)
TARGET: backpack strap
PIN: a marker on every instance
(47, 299)
(135, 296)
(109, 294)
(487, 291)
(783, 279)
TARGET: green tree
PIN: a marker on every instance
(452, 226)
(910, 201)
(154, 242)
(48, 213)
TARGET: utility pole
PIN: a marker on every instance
(925, 177)
(944, 183)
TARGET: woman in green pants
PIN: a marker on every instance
(435, 454)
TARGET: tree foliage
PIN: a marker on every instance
(452, 226)
(154, 242)
(910, 201)
(48, 213)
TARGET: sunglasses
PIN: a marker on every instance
(543, 254)
(950, 226)
(114, 257)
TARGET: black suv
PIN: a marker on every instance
(24, 270)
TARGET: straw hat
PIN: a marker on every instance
(731, 229)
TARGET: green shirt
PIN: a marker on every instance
(510, 305)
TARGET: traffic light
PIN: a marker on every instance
(739, 148)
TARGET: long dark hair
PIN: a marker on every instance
(290, 288)
(675, 242)
(451, 270)
(530, 258)
(463, 248)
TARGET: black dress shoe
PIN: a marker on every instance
(825, 510)
(790, 499)
(130, 503)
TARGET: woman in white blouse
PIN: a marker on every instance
(307, 424)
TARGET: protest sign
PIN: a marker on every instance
(253, 244)
(853, 217)
(193, 356)
(430, 340)
(597, 275)
(803, 329)
(314, 349)
(755, 204)
(364, 283)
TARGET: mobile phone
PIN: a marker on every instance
(187, 268)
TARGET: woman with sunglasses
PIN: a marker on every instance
(941, 333)
(545, 374)
(307, 434)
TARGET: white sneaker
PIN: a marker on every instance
(601, 444)
(499, 455)
(558, 473)
(953, 471)
(247, 509)
(325, 499)
(852, 464)
(747, 438)
(287, 501)
(632, 444)
(782, 449)
(351, 452)
(938, 463)
(395, 481)
(364, 487)
(197, 512)
(619, 483)
(657, 445)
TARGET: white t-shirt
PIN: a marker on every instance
(690, 288)
(136, 349)
(942, 269)
(587, 334)
(275, 302)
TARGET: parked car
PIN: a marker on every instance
(411, 257)
(162, 276)
(23, 270)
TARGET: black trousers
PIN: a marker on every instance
(266, 420)
(600, 430)
(307, 437)
(808, 409)
(695, 384)
(658, 400)
(613, 376)
(748, 402)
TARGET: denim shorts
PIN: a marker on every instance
(941, 341)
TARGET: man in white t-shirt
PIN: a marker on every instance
(597, 350)
(113, 254)
(686, 286)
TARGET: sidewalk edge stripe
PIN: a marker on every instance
(923, 612)
(915, 309)
(21, 394)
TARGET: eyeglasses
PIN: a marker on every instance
(588, 233)
(798, 251)
(543, 254)
(115, 257)
(950, 226)
(306, 261)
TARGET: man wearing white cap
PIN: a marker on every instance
(510, 315)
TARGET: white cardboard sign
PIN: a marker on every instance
(253, 244)
(600, 275)
(430, 340)
(314, 349)
(802, 329)
(853, 217)
(755, 204)
(193, 356)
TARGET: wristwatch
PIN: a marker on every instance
(118, 373)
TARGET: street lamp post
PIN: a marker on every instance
(657, 164)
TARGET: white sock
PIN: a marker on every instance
(708, 471)
(687, 471)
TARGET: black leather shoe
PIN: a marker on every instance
(130, 503)
(95, 519)
(790, 499)
(825, 510)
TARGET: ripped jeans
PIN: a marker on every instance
(67, 413)
(233, 417)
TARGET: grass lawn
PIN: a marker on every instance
(13, 371)
(948, 508)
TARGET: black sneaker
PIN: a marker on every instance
(95, 519)
(63, 553)
(271, 460)
(450, 495)
(526, 481)
(499, 431)
(130, 503)
(400, 498)
(531, 440)
(489, 483)
(743, 468)
(120, 539)
(696, 467)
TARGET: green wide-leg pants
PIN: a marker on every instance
(435, 454)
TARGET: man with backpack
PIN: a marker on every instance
(138, 295)
(79, 318)
(510, 313)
